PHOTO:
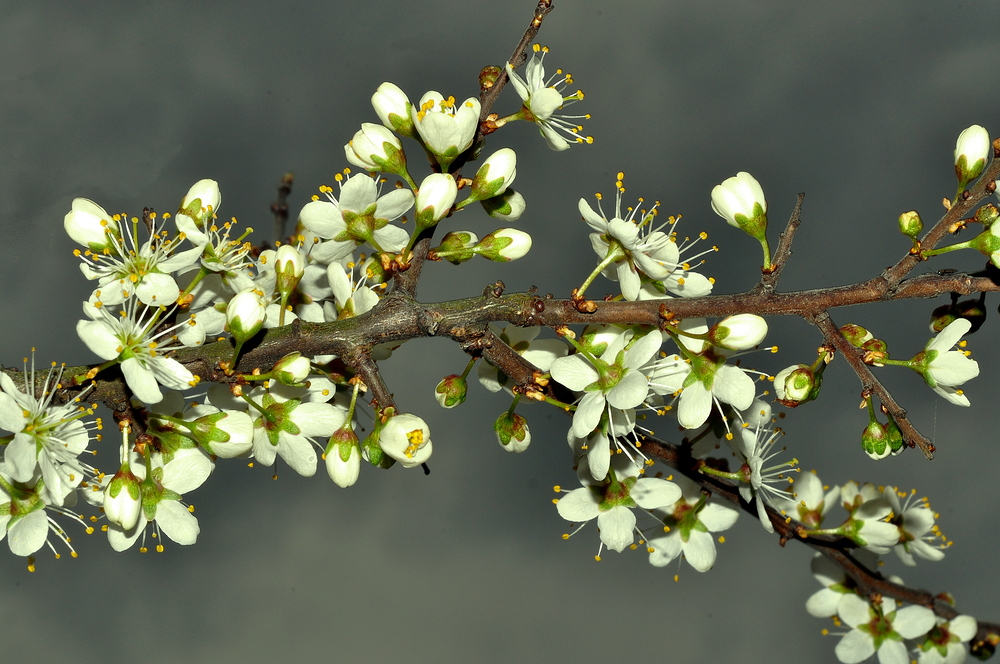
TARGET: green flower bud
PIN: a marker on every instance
(451, 391)
(910, 224)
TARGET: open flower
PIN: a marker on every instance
(543, 97)
(172, 476)
(131, 339)
(945, 369)
(124, 269)
(945, 643)
(360, 214)
(613, 380)
(634, 253)
(612, 500)
(289, 419)
(754, 445)
(47, 437)
(879, 629)
(407, 439)
(445, 128)
(689, 524)
(916, 527)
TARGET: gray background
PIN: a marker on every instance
(856, 103)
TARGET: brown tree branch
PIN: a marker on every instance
(870, 584)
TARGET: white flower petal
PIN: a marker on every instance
(177, 522)
(617, 526)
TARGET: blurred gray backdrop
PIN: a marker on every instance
(858, 104)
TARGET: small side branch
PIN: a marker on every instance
(280, 208)
(769, 281)
(870, 384)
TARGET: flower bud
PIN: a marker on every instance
(435, 197)
(876, 349)
(494, 176)
(987, 214)
(740, 201)
(227, 434)
(855, 334)
(896, 443)
(406, 439)
(292, 369)
(488, 76)
(739, 332)
(503, 245)
(245, 314)
(456, 247)
(910, 224)
(123, 498)
(971, 151)
(90, 226)
(512, 432)
(508, 206)
(289, 266)
(375, 148)
(796, 385)
(371, 449)
(451, 391)
(201, 202)
(343, 457)
(988, 243)
(374, 271)
(393, 108)
(875, 440)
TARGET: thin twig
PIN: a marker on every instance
(769, 280)
(838, 549)
(280, 208)
(870, 384)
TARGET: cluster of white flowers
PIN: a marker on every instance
(177, 290)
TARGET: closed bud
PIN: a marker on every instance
(123, 498)
(943, 316)
(371, 449)
(292, 369)
(494, 176)
(910, 224)
(875, 440)
(343, 457)
(488, 76)
(971, 151)
(895, 436)
(289, 266)
(245, 314)
(375, 148)
(201, 203)
(435, 197)
(512, 432)
(855, 334)
(393, 108)
(226, 434)
(508, 206)
(451, 391)
(90, 226)
(740, 201)
(987, 214)
(739, 332)
(456, 247)
(374, 271)
(503, 245)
